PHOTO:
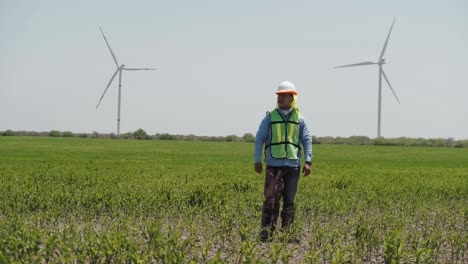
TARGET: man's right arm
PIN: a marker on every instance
(260, 139)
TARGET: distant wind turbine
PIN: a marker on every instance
(119, 71)
(380, 62)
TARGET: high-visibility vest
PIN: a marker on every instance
(284, 142)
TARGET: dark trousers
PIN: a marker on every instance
(280, 182)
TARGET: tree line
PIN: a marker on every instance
(141, 134)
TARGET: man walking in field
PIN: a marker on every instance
(282, 132)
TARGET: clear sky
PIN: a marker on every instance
(219, 63)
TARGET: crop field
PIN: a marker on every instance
(76, 200)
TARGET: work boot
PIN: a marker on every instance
(269, 219)
(264, 235)
(266, 221)
(274, 220)
(287, 217)
(287, 220)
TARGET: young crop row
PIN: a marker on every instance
(99, 207)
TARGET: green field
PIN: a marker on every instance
(70, 200)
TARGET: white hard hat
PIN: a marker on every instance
(286, 88)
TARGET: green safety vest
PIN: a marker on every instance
(284, 142)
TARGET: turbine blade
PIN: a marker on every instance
(357, 64)
(386, 41)
(108, 46)
(388, 82)
(107, 87)
(139, 69)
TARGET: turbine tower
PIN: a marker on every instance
(380, 62)
(119, 70)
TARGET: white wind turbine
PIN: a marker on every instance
(380, 62)
(119, 70)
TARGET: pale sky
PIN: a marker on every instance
(219, 63)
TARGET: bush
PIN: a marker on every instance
(248, 137)
(461, 144)
(67, 134)
(165, 136)
(140, 134)
(128, 135)
(450, 142)
(8, 133)
(190, 137)
(358, 140)
(316, 140)
(231, 138)
(384, 142)
(55, 133)
(326, 140)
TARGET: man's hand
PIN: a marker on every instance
(258, 167)
(307, 169)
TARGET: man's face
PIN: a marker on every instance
(285, 100)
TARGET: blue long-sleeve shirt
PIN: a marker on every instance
(263, 137)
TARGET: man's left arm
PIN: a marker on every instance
(306, 141)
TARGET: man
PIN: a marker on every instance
(282, 131)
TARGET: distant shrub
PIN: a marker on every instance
(165, 137)
(190, 137)
(67, 134)
(461, 144)
(248, 137)
(55, 133)
(326, 140)
(340, 140)
(141, 134)
(316, 140)
(231, 138)
(35, 134)
(8, 133)
(128, 135)
(358, 140)
(384, 142)
(450, 142)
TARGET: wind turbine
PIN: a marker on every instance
(119, 70)
(380, 62)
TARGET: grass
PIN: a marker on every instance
(103, 200)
